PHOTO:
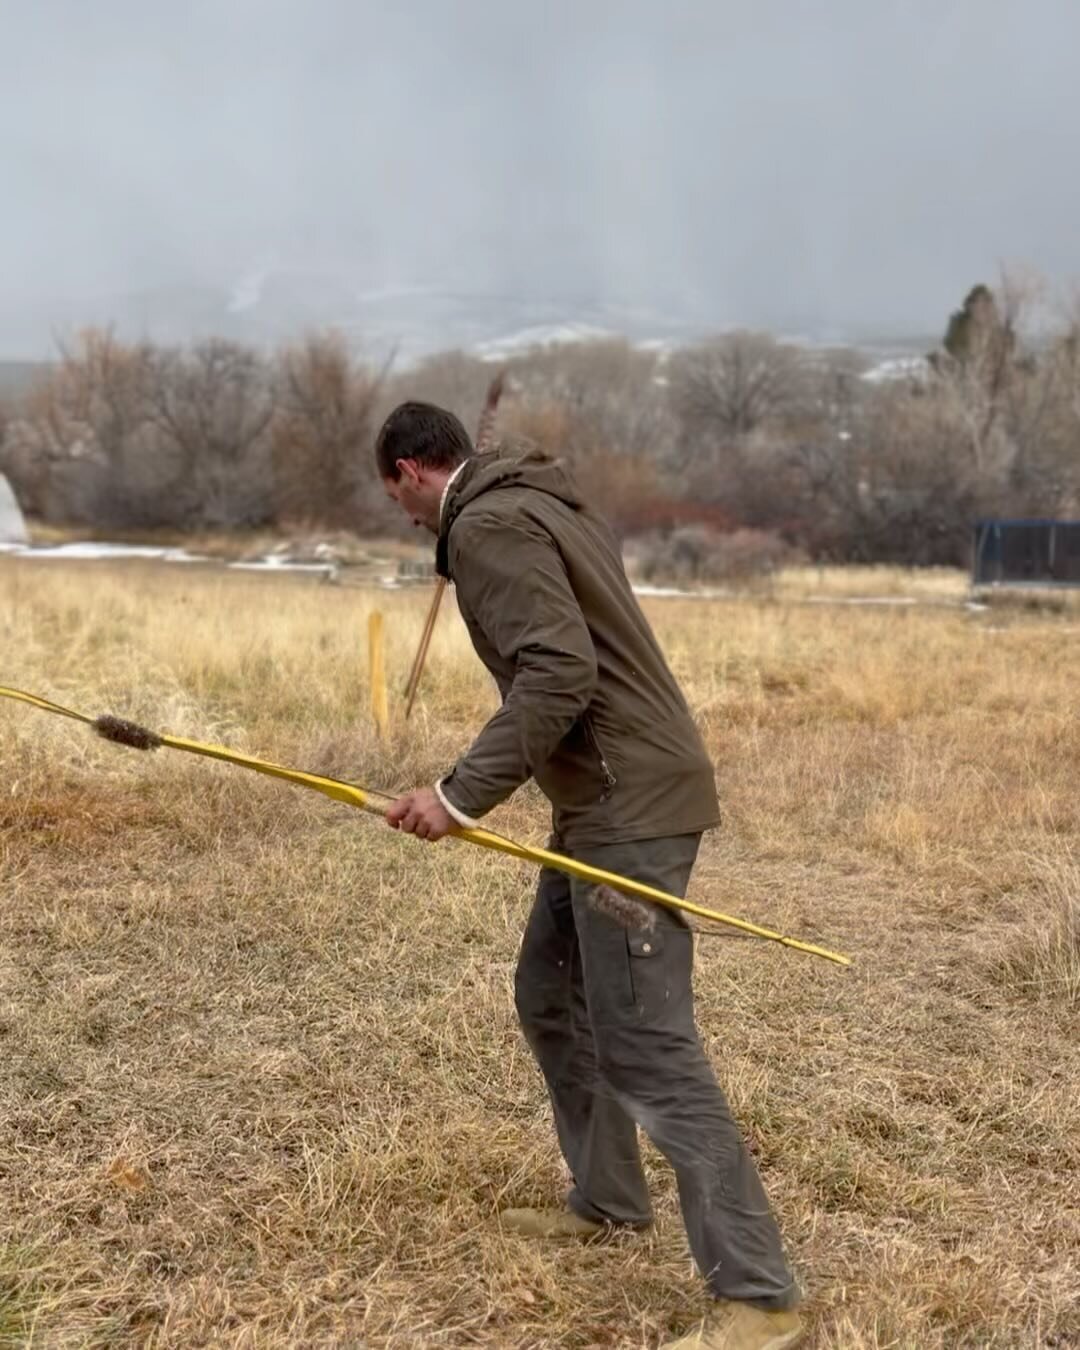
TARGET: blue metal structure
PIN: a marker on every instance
(1027, 552)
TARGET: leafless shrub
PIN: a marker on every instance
(695, 553)
(620, 483)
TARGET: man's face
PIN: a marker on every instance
(416, 493)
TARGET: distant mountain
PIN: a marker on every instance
(271, 304)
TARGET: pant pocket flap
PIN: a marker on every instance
(645, 944)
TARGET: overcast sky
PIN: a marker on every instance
(846, 163)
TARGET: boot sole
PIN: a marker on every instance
(532, 1235)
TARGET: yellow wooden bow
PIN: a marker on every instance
(377, 803)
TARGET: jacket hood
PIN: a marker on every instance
(507, 466)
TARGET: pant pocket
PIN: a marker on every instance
(646, 968)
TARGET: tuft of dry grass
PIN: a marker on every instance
(262, 1082)
(871, 581)
(1038, 955)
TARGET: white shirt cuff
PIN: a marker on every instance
(462, 819)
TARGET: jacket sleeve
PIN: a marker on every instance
(513, 579)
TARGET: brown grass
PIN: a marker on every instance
(262, 1084)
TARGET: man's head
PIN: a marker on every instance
(417, 450)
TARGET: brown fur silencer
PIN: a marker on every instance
(126, 733)
(624, 909)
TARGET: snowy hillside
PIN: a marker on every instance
(270, 303)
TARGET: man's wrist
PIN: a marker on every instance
(455, 812)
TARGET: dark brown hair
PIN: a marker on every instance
(421, 431)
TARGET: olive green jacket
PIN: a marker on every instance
(590, 708)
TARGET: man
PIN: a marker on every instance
(592, 712)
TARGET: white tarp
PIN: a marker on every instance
(12, 525)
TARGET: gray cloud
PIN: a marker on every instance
(837, 165)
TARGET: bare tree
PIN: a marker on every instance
(212, 408)
(891, 487)
(322, 431)
(1043, 421)
(729, 387)
(598, 405)
(610, 393)
(80, 443)
(992, 378)
(454, 380)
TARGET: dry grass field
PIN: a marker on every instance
(260, 1079)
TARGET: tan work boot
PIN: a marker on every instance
(549, 1223)
(741, 1326)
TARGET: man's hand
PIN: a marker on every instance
(420, 813)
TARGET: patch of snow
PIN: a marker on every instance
(654, 591)
(676, 592)
(539, 335)
(862, 600)
(95, 551)
(662, 348)
(281, 562)
(277, 562)
(898, 368)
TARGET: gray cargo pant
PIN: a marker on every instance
(609, 1016)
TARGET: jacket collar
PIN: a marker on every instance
(446, 516)
(446, 492)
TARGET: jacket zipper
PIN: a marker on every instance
(607, 778)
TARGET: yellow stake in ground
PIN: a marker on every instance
(380, 705)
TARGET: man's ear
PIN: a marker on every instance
(409, 469)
